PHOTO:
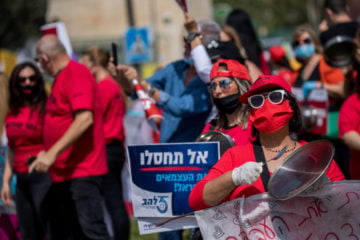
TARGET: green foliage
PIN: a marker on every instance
(271, 15)
(20, 20)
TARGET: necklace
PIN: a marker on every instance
(278, 150)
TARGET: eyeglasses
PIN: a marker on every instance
(32, 78)
(224, 84)
(275, 97)
(296, 43)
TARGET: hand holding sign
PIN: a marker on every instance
(151, 111)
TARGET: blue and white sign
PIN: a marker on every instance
(164, 174)
(138, 45)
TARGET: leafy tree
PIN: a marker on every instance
(272, 16)
(20, 20)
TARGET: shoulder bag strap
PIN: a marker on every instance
(259, 155)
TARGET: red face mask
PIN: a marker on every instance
(271, 117)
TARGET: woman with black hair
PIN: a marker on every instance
(275, 116)
(241, 21)
(24, 127)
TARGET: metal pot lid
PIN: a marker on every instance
(301, 169)
(225, 141)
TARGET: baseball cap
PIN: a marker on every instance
(234, 69)
(223, 49)
(264, 82)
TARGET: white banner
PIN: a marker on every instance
(329, 214)
(154, 225)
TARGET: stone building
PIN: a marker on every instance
(95, 22)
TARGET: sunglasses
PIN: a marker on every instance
(32, 78)
(296, 43)
(224, 84)
(275, 97)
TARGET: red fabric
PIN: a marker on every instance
(114, 109)
(24, 132)
(239, 135)
(271, 117)
(286, 74)
(233, 158)
(277, 53)
(349, 120)
(235, 69)
(75, 89)
(264, 82)
(264, 65)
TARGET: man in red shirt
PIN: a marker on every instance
(74, 146)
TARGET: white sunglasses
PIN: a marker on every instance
(275, 97)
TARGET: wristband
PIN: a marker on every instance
(192, 36)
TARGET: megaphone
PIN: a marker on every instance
(339, 46)
(152, 112)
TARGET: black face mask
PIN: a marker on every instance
(228, 104)
(28, 91)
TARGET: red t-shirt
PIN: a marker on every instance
(240, 136)
(24, 133)
(75, 89)
(114, 109)
(349, 120)
(233, 158)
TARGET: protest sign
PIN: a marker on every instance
(329, 214)
(163, 176)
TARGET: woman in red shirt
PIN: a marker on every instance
(275, 115)
(113, 104)
(24, 126)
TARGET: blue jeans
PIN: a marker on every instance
(75, 210)
(112, 188)
(31, 191)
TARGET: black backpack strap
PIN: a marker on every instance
(213, 123)
(259, 155)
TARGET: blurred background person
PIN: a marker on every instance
(228, 33)
(336, 11)
(349, 117)
(279, 63)
(243, 171)
(316, 73)
(114, 107)
(354, 10)
(24, 128)
(4, 99)
(241, 21)
(74, 146)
